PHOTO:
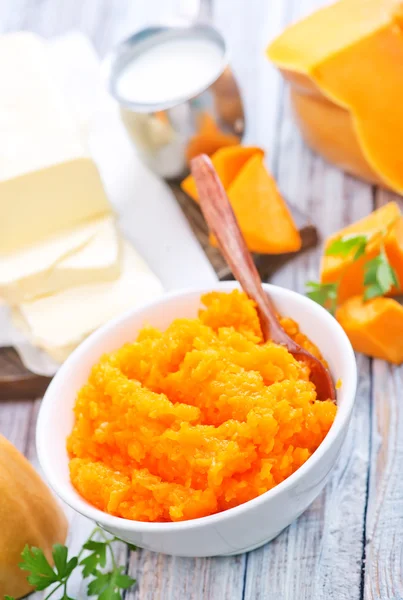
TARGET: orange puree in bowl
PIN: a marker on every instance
(196, 419)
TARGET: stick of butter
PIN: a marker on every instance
(48, 182)
(87, 253)
(58, 323)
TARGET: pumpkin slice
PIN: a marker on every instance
(375, 327)
(350, 273)
(358, 52)
(227, 162)
(262, 214)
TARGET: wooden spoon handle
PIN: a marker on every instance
(222, 222)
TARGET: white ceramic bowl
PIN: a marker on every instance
(233, 531)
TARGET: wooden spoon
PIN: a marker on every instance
(222, 222)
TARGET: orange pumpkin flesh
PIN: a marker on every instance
(375, 327)
(264, 218)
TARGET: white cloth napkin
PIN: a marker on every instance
(149, 215)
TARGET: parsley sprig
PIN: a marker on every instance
(92, 559)
(379, 275)
(324, 294)
(347, 245)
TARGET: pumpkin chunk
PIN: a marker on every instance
(375, 327)
(384, 225)
(263, 215)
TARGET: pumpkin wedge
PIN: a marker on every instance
(262, 213)
(374, 328)
(350, 53)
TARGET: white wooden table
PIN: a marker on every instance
(349, 544)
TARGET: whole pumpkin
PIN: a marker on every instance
(28, 515)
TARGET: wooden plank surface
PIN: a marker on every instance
(384, 518)
(348, 545)
(306, 561)
(16, 381)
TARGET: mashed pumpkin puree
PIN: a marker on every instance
(196, 419)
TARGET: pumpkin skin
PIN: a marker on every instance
(28, 515)
(335, 139)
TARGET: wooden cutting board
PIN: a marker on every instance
(16, 382)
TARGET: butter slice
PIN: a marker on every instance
(87, 253)
(48, 182)
(58, 323)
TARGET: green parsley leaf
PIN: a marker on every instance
(41, 573)
(385, 277)
(95, 559)
(97, 547)
(370, 271)
(372, 291)
(324, 294)
(60, 559)
(123, 581)
(346, 245)
(108, 585)
(97, 585)
(90, 564)
(379, 277)
(360, 252)
(110, 594)
(71, 565)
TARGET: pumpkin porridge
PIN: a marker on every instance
(197, 419)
